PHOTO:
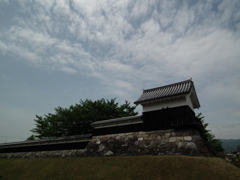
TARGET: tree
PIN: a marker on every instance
(216, 144)
(31, 138)
(76, 119)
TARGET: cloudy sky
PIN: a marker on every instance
(54, 53)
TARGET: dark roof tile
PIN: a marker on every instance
(179, 88)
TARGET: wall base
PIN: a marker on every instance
(170, 142)
(44, 154)
(183, 142)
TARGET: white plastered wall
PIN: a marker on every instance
(170, 103)
(189, 102)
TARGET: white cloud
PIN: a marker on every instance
(232, 125)
(101, 30)
(128, 45)
(61, 7)
(68, 70)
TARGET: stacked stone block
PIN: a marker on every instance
(184, 142)
(170, 142)
(45, 154)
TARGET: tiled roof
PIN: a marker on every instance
(117, 120)
(179, 88)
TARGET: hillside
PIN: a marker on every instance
(124, 168)
(230, 144)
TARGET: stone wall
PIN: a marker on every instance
(44, 154)
(184, 142)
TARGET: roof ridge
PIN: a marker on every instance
(189, 80)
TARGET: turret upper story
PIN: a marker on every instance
(172, 95)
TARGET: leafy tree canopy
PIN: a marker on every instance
(76, 119)
(216, 144)
(31, 138)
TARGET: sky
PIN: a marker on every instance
(54, 53)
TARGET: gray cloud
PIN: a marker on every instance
(188, 39)
(129, 45)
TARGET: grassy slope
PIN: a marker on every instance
(124, 168)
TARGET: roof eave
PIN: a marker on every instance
(194, 98)
(116, 120)
(196, 103)
(120, 123)
(161, 99)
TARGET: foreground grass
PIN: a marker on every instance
(124, 168)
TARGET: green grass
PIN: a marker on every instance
(124, 168)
